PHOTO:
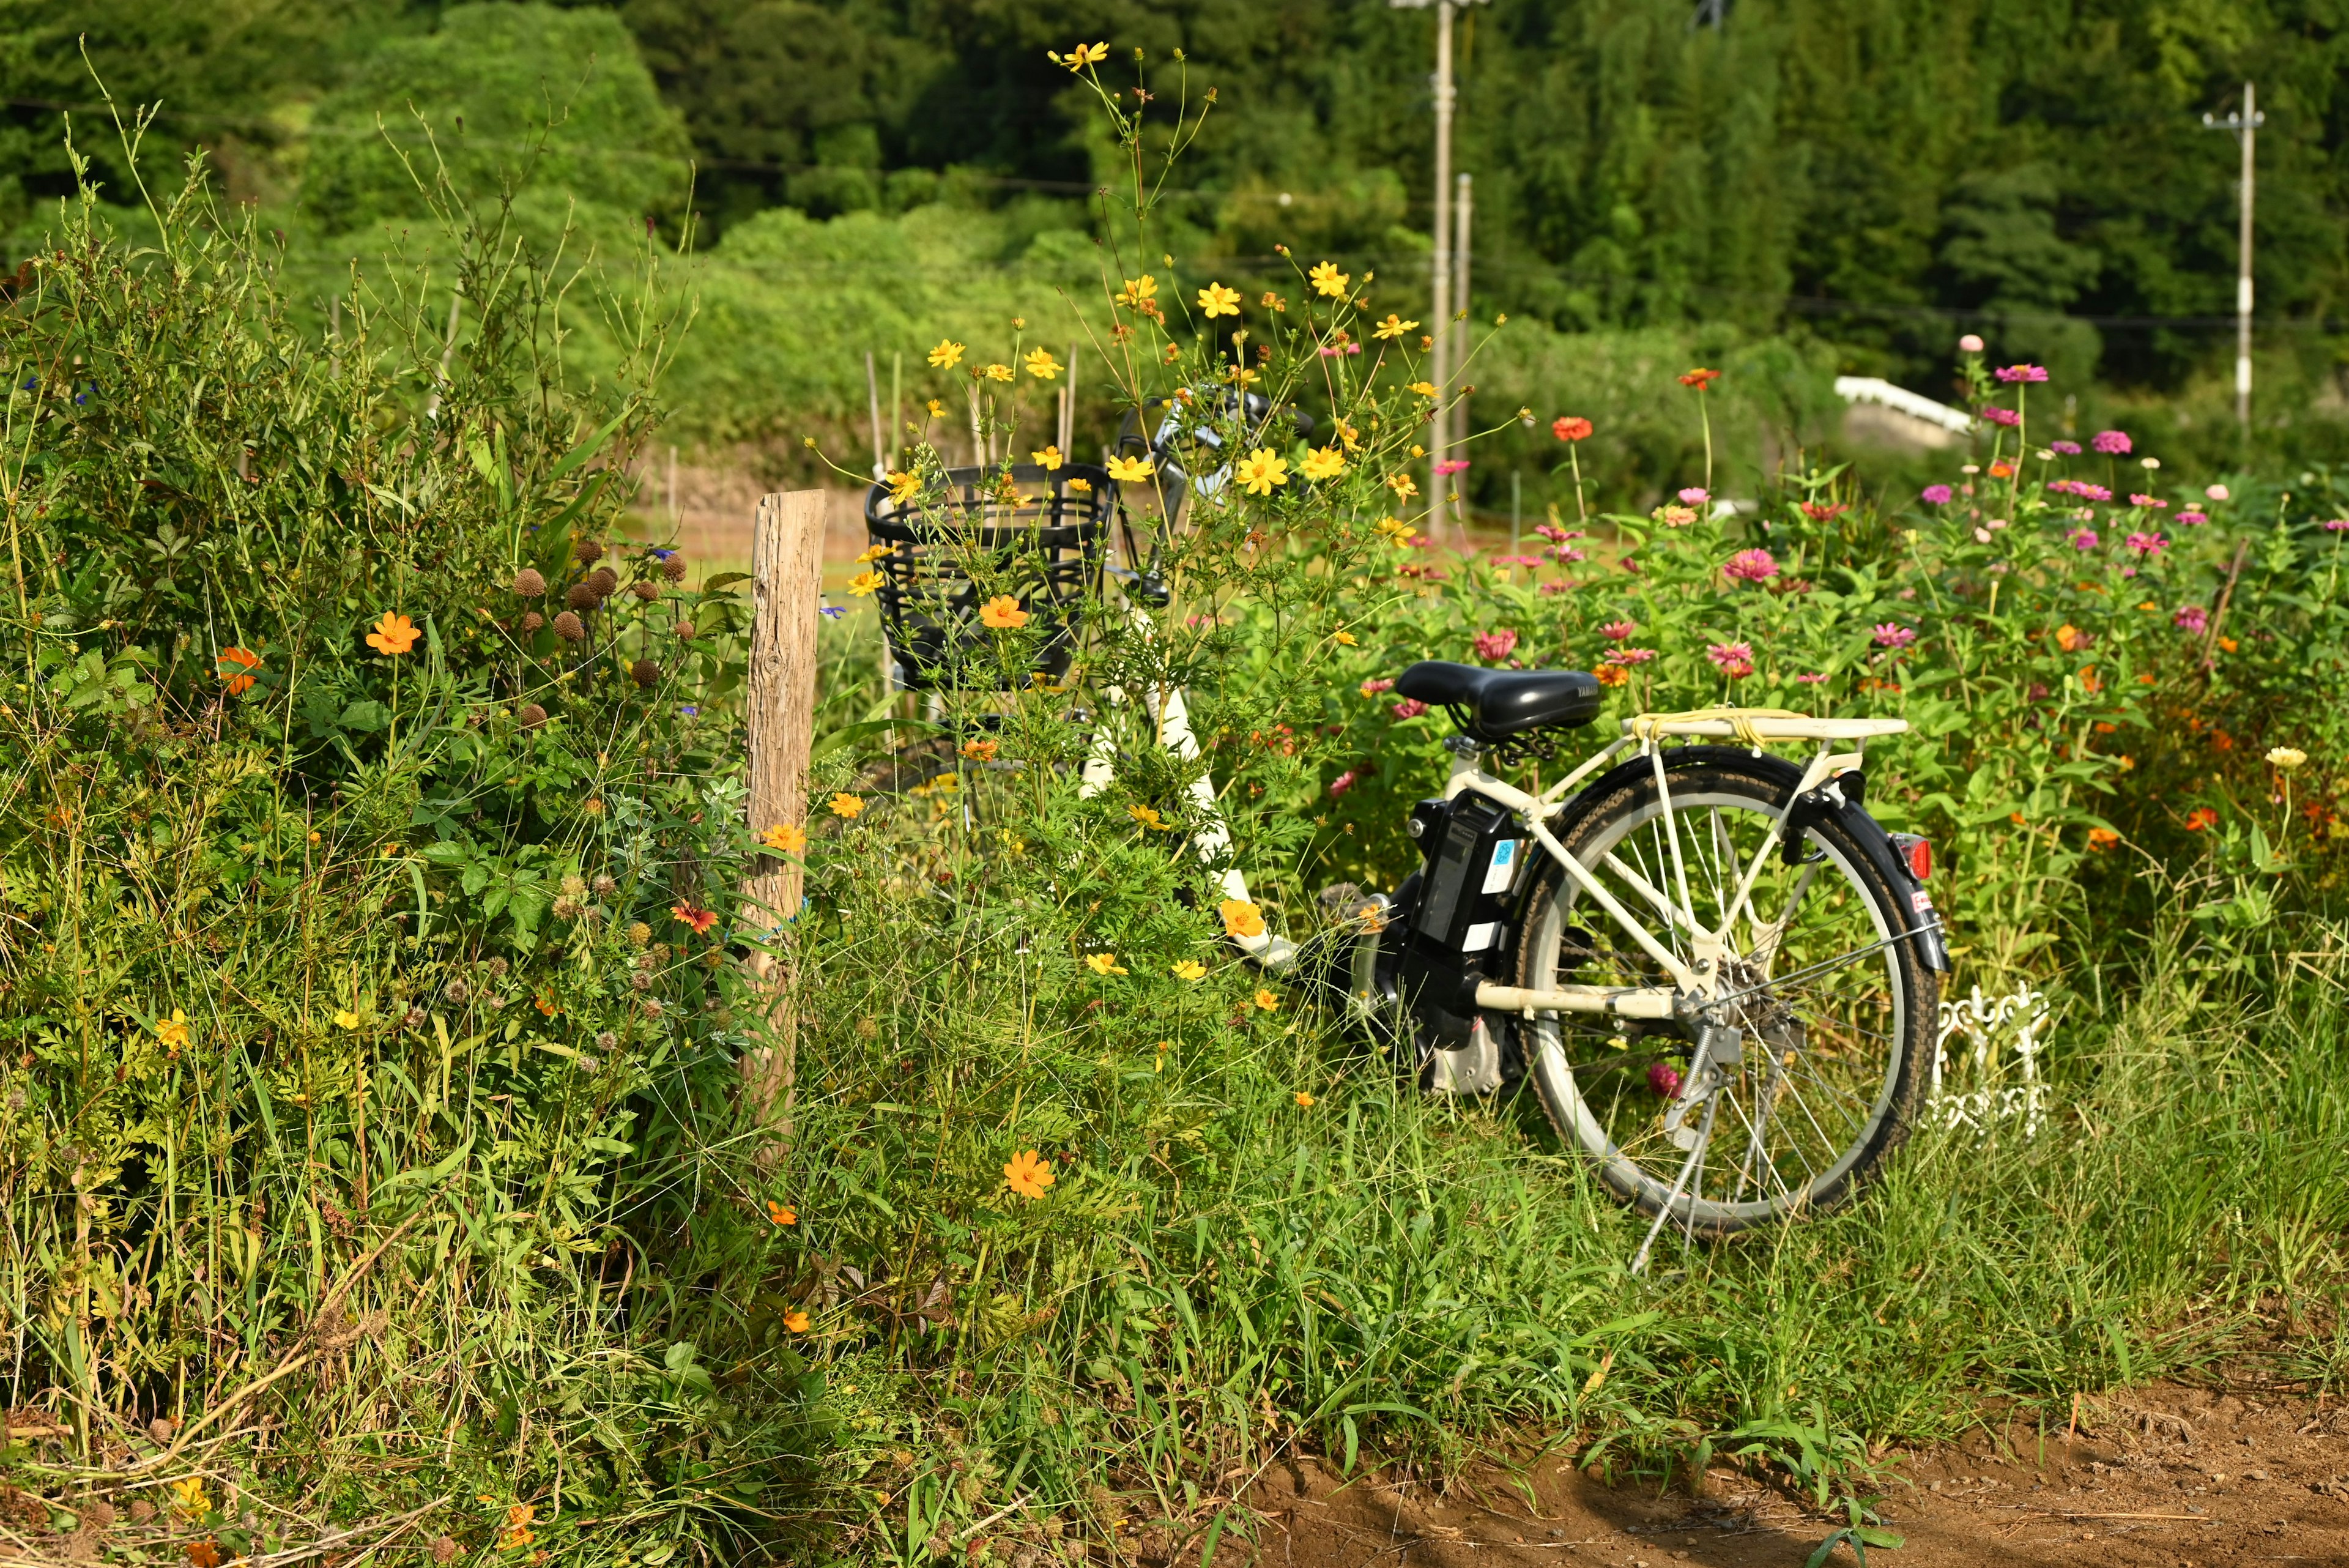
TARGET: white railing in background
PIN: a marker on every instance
(1994, 1076)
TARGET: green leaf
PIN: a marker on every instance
(585, 451)
(723, 581)
(848, 733)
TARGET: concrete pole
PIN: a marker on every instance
(1440, 367)
(1463, 215)
(2244, 273)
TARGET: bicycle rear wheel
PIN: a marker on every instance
(1827, 1078)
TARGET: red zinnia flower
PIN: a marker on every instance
(1569, 427)
(1700, 379)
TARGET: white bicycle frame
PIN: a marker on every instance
(1699, 978)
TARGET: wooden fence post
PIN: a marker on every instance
(787, 591)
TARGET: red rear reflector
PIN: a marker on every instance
(1917, 852)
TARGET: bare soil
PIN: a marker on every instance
(2165, 1475)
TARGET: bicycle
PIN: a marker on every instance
(1699, 940)
(1563, 936)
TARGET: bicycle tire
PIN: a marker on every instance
(1866, 1078)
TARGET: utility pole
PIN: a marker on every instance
(1440, 353)
(1456, 328)
(2245, 126)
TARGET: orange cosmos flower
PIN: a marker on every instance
(980, 750)
(393, 635)
(785, 839)
(1241, 918)
(232, 667)
(1028, 1174)
(1003, 613)
(780, 1214)
(796, 1321)
(2200, 817)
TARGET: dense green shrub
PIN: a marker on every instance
(369, 1044)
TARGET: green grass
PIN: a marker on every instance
(1223, 1274)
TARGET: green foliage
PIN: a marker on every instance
(369, 1057)
(499, 95)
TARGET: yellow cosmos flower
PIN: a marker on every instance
(785, 839)
(846, 805)
(1128, 469)
(1240, 376)
(1327, 281)
(875, 554)
(903, 486)
(173, 1032)
(937, 408)
(1217, 300)
(1424, 388)
(1304, 1101)
(946, 357)
(1080, 57)
(863, 583)
(1343, 638)
(1241, 918)
(1267, 1000)
(1148, 816)
(1263, 471)
(1138, 291)
(1324, 463)
(1103, 964)
(1395, 527)
(1081, 487)
(1042, 365)
(1190, 969)
(346, 1019)
(1049, 460)
(997, 372)
(1392, 326)
(191, 1491)
(1403, 485)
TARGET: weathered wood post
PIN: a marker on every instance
(787, 591)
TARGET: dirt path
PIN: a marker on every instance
(2165, 1475)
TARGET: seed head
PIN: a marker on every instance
(606, 1041)
(570, 627)
(641, 980)
(497, 968)
(645, 590)
(685, 629)
(603, 885)
(529, 584)
(584, 597)
(639, 932)
(673, 568)
(530, 621)
(587, 552)
(445, 1550)
(645, 672)
(605, 581)
(141, 1510)
(531, 716)
(459, 992)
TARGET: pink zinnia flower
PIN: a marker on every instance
(1343, 782)
(1735, 659)
(1892, 634)
(1568, 553)
(2195, 519)
(2068, 447)
(1495, 644)
(1555, 534)
(1618, 630)
(1377, 684)
(2001, 416)
(1410, 708)
(1937, 494)
(2147, 501)
(2112, 443)
(1664, 1079)
(2332, 525)
(2092, 491)
(2146, 543)
(1753, 566)
(1810, 680)
(2216, 493)
(1626, 656)
(1452, 466)
(2082, 539)
(2023, 373)
(2193, 618)
(1694, 495)
(1970, 343)
(1516, 560)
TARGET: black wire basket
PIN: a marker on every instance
(1036, 538)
